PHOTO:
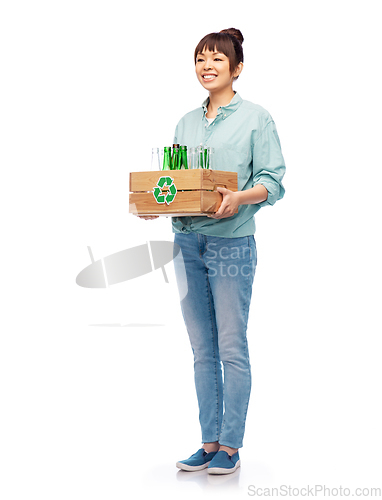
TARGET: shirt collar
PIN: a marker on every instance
(226, 111)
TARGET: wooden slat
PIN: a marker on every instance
(213, 178)
(185, 203)
(184, 179)
(146, 181)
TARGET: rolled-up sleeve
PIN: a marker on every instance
(268, 163)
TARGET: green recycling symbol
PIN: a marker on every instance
(162, 197)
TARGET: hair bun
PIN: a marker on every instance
(235, 33)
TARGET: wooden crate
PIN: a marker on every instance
(176, 193)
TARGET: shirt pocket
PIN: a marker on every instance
(234, 159)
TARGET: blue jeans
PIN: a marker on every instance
(219, 273)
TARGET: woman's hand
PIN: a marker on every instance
(229, 205)
(147, 217)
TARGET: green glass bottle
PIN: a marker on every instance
(166, 158)
(175, 158)
(183, 158)
(206, 159)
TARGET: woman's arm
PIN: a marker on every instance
(257, 194)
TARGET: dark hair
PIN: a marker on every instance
(227, 42)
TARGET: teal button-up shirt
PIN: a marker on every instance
(245, 140)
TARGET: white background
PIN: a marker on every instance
(104, 412)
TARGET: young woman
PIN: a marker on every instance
(219, 251)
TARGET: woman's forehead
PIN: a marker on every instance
(214, 52)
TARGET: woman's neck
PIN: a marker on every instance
(217, 99)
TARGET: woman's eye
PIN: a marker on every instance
(217, 59)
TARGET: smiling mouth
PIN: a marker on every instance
(209, 77)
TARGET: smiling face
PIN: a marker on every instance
(213, 70)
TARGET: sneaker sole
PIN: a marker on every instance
(220, 470)
(192, 468)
